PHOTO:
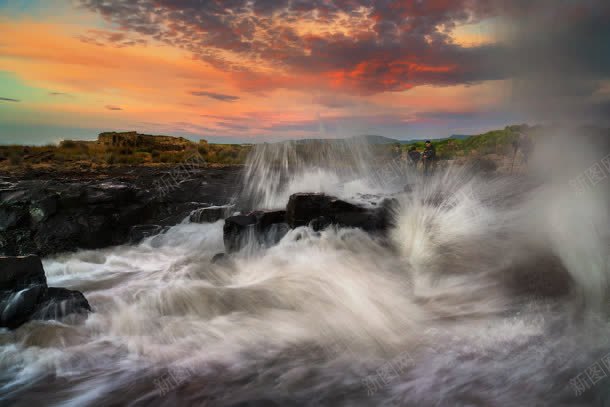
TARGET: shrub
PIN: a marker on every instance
(67, 144)
(15, 158)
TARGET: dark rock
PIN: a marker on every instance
(323, 210)
(41, 210)
(16, 308)
(108, 192)
(260, 227)
(60, 302)
(24, 294)
(17, 273)
(57, 234)
(302, 208)
(218, 257)
(222, 259)
(11, 217)
(542, 276)
(47, 217)
(237, 230)
(320, 223)
(15, 196)
(141, 232)
(208, 215)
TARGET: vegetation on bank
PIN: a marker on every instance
(92, 154)
(495, 142)
(101, 153)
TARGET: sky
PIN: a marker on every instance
(267, 70)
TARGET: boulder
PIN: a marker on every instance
(59, 302)
(321, 210)
(17, 307)
(17, 273)
(266, 228)
(24, 294)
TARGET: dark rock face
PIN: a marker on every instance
(45, 217)
(17, 273)
(24, 294)
(261, 227)
(316, 210)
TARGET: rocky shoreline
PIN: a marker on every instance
(41, 217)
(44, 214)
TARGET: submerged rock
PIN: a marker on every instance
(24, 294)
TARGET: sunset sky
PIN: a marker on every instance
(253, 70)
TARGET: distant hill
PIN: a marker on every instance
(374, 139)
(381, 140)
(421, 140)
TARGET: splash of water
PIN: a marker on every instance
(276, 171)
(313, 319)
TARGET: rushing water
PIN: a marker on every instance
(437, 314)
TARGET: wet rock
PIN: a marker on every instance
(218, 257)
(222, 259)
(46, 217)
(266, 228)
(109, 192)
(320, 223)
(24, 294)
(323, 210)
(18, 307)
(208, 215)
(260, 227)
(58, 303)
(540, 277)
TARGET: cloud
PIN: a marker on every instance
(216, 96)
(360, 46)
(112, 107)
(2, 99)
(111, 38)
(59, 94)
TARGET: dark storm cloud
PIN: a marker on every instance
(559, 57)
(408, 45)
(216, 96)
(111, 107)
(559, 50)
(2, 99)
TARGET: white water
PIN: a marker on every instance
(305, 321)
